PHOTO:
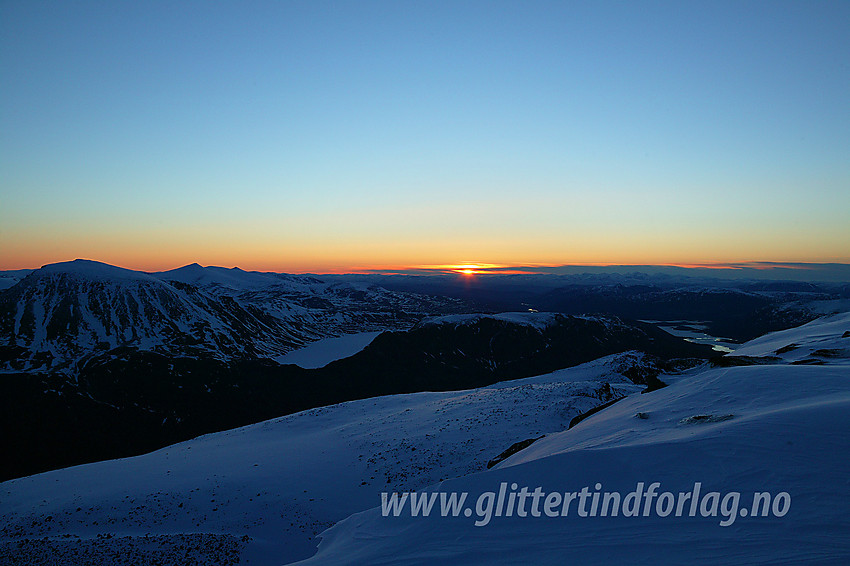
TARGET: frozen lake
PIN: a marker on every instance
(322, 352)
(692, 331)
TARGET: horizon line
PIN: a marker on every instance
(480, 268)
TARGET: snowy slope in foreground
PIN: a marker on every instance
(819, 340)
(282, 481)
(774, 428)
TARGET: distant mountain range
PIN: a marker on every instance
(101, 361)
(56, 317)
(737, 309)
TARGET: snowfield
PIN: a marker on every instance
(821, 339)
(261, 494)
(762, 428)
(273, 486)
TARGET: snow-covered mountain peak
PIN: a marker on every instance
(90, 269)
(65, 312)
(230, 278)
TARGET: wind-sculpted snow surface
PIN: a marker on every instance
(778, 428)
(281, 482)
(814, 343)
(268, 490)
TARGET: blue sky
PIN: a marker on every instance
(340, 135)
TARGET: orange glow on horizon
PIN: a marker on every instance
(262, 260)
(328, 253)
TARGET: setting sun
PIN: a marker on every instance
(472, 268)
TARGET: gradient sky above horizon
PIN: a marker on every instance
(334, 136)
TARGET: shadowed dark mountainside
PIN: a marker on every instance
(101, 362)
(739, 310)
(127, 401)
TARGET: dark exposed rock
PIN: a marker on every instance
(513, 449)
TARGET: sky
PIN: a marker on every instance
(343, 136)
